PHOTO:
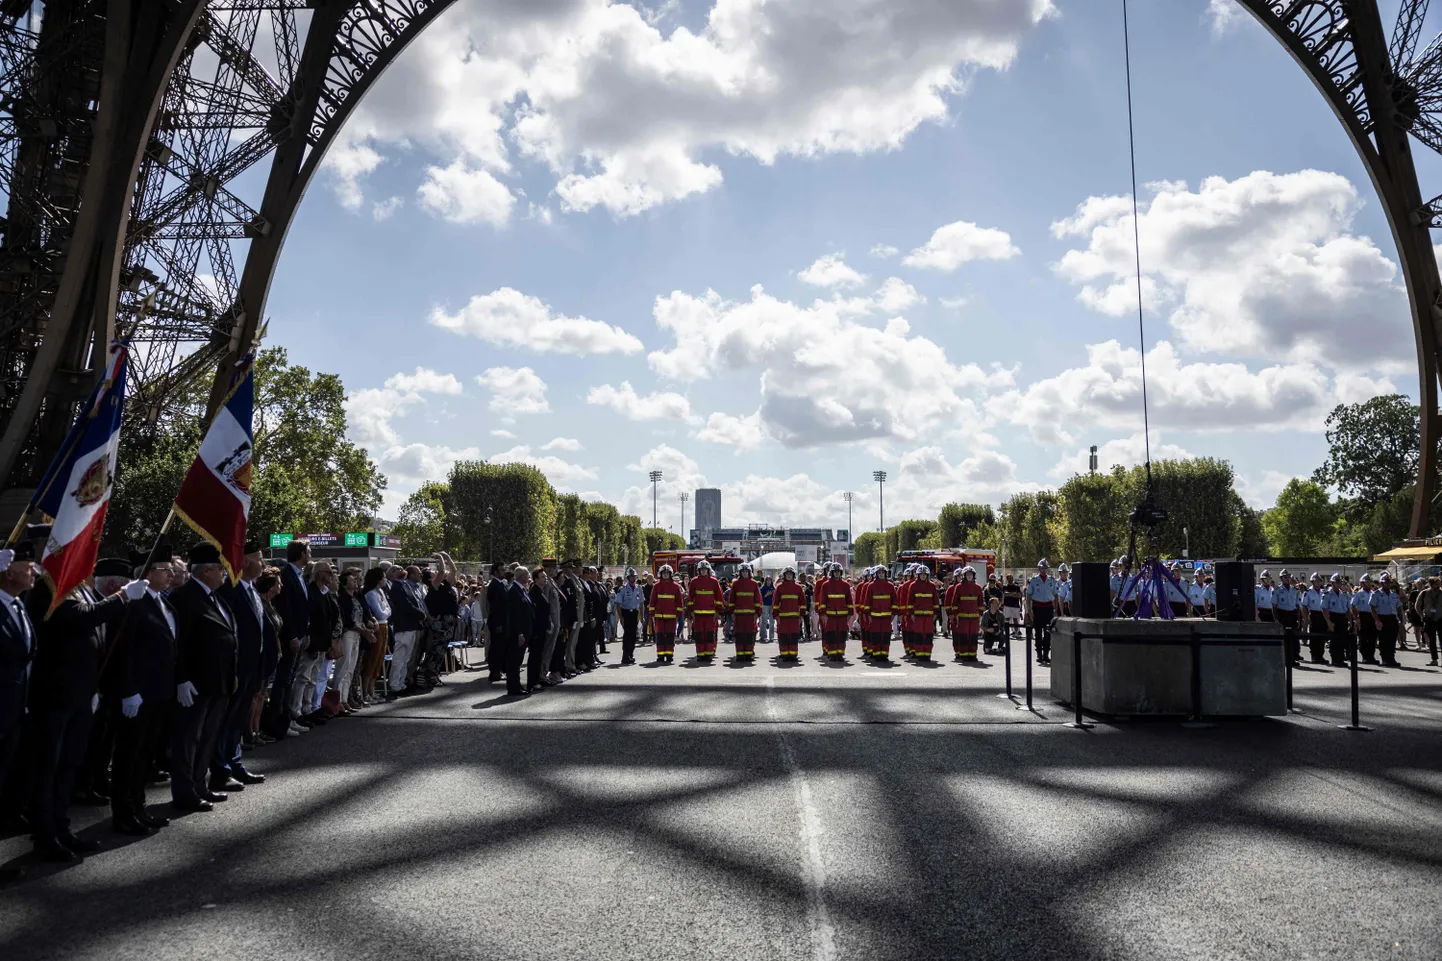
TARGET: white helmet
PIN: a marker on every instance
(704, 567)
(665, 571)
(744, 571)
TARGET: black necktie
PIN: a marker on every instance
(221, 608)
(23, 620)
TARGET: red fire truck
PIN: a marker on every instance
(944, 561)
(684, 562)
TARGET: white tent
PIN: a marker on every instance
(774, 563)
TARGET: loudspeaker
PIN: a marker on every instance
(1236, 600)
(1091, 590)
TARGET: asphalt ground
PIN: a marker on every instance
(807, 812)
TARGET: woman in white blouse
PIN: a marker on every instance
(380, 607)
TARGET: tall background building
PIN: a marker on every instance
(708, 513)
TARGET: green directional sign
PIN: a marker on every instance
(281, 540)
(357, 539)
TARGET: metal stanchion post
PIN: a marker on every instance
(1027, 706)
(1076, 685)
(1007, 652)
(1289, 642)
(1356, 724)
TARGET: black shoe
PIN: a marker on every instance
(214, 797)
(318, 719)
(131, 826)
(79, 845)
(246, 777)
(517, 694)
(225, 785)
(192, 804)
(50, 849)
(155, 821)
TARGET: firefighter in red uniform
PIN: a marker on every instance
(966, 610)
(863, 610)
(788, 606)
(705, 603)
(835, 608)
(902, 605)
(745, 604)
(668, 603)
(922, 602)
(880, 609)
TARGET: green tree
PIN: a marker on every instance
(423, 527)
(1302, 521)
(957, 521)
(520, 503)
(1091, 523)
(1251, 538)
(1373, 449)
(908, 536)
(659, 539)
(870, 549)
(604, 522)
(1198, 496)
(305, 475)
(1026, 525)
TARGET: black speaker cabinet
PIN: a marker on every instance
(1091, 589)
(1235, 598)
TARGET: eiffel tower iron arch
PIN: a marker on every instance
(1383, 93)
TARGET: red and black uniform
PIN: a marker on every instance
(745, 601)
(880, 608)
(922, 603)
(863, 614)
(788, 606)
(668, 603)
(965, 613)
(902, 605)
(706, 604)
(835, 607)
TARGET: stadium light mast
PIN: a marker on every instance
(880, 478)
(655, 479)
(850, 534)
(684, 498)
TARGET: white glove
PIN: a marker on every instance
(135, 590)
(130, 706)
(94, 702)
(185, 693)
(7, 557)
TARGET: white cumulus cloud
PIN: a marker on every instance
(962, 242)
(659, 405)
(562, 474)
(512, 319)
(831, 270)
(465, 196)
(515, 390)
(369, 412)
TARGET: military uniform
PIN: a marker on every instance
(1364, 621)
(1041, 591)
(1387, 604)
(1314, 606)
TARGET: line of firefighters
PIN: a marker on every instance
(876, 601)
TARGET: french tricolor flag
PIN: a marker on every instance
(76, 489)
(214, 499)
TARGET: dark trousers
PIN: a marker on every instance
(135, 739)
(94, 773)
(11, 725)
(586, 647)
(277, 715)
(514, 653)
(1288, 620)
(496, 661)
(1366, 637)
(196, 730)
(1317, 635)
(60, 737)
(1387, 639)
(535, 647)
(1341, 639)
(558, 656)
(629, 623)
(233, 728)
(1041, 616)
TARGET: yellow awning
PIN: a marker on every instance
(1409, 554)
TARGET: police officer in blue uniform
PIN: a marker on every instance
(1041, 601)
(1387, 605)
(1263, 594)
(1286, 599)
(1313, 606)
(1365, 621)
(1337, 606)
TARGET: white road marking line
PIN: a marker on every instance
(813, 874)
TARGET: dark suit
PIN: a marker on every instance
(520, 614)
(63, 687)
(536, 639)
(17, 651)
(408, 626)
(591, 635)
(292, 604)
(205, 657)
(250, 625)
(143, 663)
(496, 592)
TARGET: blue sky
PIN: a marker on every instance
(694, 200)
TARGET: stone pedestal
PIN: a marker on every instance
(1213, 668)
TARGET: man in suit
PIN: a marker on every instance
(228, 771)
(17, 652)
(72, 645)
(408, 620)
(293, 606)
(204, 676)
(519, 615)
(141, 678)
(496, 621)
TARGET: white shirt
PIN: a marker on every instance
(164, 608)
(379, 604)
(248, 589)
